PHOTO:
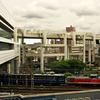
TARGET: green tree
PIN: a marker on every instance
(60, 66)
(76, 64)
(68, 65)
(29, 58)
(68, 74)
(34, 48)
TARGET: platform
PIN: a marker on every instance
(76, 95)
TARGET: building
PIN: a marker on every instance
(9, 49)
(70, 29)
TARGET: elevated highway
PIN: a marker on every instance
(38, 34)
(76, 49)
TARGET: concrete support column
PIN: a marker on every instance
(54, 41)
(15, 35)
(46, 60)
(84, 48)
(93, 54)
(43, 43)
(74, 39)
(94, 42)
(12, 66)
(90, 51)
(17, 65)
(65, 45)
(18, 40)
(42, 59)
(23, 54)
(68, 52)
(44, 38)
(9, 68)
(60, 58)
(22, 39)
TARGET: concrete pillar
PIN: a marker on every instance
(44, 38)
(54, 41)
(42, 59)
(9, 68)
(17, 64)
(23, 54)
(15, 35)
(68, 49)
(89, 52)
(74, 39)
(94, 46)
(84, 48)
(65, 45)
(18, 40)
(47, 41)
(43, 43)
(42, 50)
(93, 54)
(94, 40)
(12, 66)
(22, 39)
(46, 60)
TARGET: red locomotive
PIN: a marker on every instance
(92, 79)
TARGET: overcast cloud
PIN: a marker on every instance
(56, 14)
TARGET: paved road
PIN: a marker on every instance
(92, 95)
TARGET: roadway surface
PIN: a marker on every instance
(92, 95)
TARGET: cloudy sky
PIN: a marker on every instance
(56, 14)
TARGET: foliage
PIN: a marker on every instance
(33, 48)
(92, 72)
(38, 59)
(65, 65)
(37, 72)
(60, 65)
(68, 74)
(29, 58)
(76, 64)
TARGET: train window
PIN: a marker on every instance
(20, 76)
(61, 78)
(93, 76)
(48, 77)
(44, 77)
(39, 77)
(35, 77)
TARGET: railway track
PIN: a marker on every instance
(43, 89)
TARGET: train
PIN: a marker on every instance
(36, 79)
(93, 79)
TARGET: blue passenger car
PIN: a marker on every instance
(53, 79)
(37, 79)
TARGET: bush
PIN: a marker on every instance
(92, 72)
(65, 65)
(68, 74)
(37, 72)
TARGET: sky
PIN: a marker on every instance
(84, 15)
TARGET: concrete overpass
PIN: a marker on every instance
(80, 42)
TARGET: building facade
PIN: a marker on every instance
(9, 49)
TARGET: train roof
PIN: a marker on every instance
(37, 74)
(77, 77)
(50, 74)
(93, 74)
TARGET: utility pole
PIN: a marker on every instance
(31, 74)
